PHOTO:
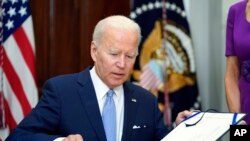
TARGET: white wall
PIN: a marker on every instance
(207, 20)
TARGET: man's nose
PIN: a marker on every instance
(121, 62)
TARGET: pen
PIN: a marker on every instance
(191, 116)
(234, 119)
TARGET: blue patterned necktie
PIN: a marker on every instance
(109, 116)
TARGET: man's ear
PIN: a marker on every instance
(93, 50)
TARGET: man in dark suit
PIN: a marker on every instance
(72, 106)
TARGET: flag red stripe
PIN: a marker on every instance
(9, 117)
(26, 49)
(15, 84)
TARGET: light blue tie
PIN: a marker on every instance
(109, 116)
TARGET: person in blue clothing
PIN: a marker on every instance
(71, 106)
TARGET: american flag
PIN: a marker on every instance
(18, 89)
(152, 75)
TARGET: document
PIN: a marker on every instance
(204, 126)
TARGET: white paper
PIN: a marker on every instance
(210, 128)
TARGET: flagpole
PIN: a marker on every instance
(167, 109)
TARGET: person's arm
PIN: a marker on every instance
(41, 123)
(232, 84)
(247, 10)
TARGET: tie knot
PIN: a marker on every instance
(110, 93)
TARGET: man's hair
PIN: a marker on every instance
(116, 21)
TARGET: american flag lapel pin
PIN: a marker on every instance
(134, 100)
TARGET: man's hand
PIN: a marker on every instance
(76, 137)
(181, 116)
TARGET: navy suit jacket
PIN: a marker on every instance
(69, 106)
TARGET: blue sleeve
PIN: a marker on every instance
(41, 124)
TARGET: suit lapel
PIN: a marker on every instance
(90, 104)
(130, 110)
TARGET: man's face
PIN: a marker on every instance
(115, 56)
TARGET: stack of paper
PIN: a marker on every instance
(210, 127)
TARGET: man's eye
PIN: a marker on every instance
(113, 54)
(131, 56)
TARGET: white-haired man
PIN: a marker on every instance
(74, 107)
